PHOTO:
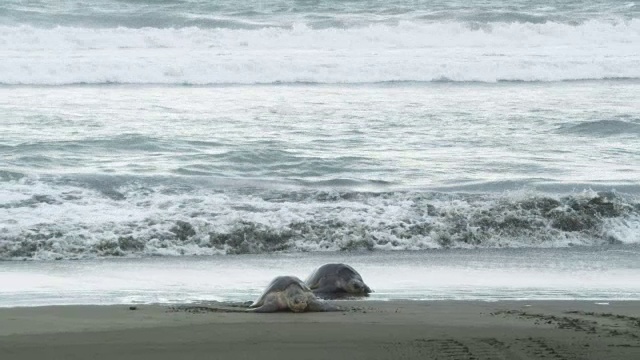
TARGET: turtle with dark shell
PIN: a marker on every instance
(288, 293)
(337, 280)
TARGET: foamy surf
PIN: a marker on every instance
(41, 221)
(407, 51)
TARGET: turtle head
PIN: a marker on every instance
(356, 286)
(297, 302)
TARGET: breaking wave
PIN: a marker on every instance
(45, 221)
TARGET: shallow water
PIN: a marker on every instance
(607, 274)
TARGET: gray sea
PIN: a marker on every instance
(270, 136)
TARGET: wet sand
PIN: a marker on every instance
(365, 330)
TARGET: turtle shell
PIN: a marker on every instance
(280, 283)
(343, 270)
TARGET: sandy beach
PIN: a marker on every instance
(365, 330)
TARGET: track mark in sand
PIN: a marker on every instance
(445, 348)
(561, 322)
(592, 323)
(539, 348)
(211, 307)
(624, 345)
(634, 321)
(463, 349)
(204, 309)
(214, 307)
(498, 349)
(613, 324)
(490, 348)
(493, 342)
(486, 349)
(532, 348)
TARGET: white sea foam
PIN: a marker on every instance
(409, 51)
(46, 221)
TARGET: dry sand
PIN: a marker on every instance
(367, 330)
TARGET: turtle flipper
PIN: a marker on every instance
(267, 307)
(328, 291)
(322, 306)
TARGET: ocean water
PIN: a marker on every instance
(589, 274)
(249, 133)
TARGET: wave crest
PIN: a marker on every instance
(603, 128)
(145, 221)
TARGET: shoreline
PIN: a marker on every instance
(365, 330)
(577, 273)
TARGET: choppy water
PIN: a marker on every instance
(137, 128)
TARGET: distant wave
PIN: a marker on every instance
(409, 51)
(44, 221)
(603, 128)
(245, 14)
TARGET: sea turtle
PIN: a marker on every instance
(335, 280)
(289, 293)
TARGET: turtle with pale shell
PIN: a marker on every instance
(288, 293)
